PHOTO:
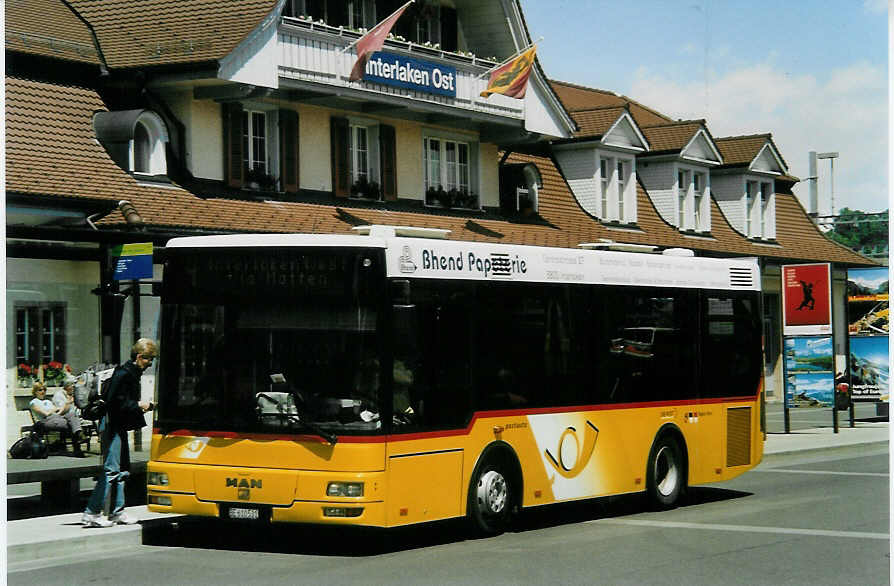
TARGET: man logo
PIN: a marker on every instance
(573, 458)
(243, 483)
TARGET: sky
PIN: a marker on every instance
(813, 73)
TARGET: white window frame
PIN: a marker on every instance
(623, 176)
(684, 183)
(359, 158)
(604, 180)
(153, 147)
(752, 197)
(450, 175)
(616, 178)
(698, 193)
(249, 137)
(766, 188)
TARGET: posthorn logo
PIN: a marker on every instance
(406, 261)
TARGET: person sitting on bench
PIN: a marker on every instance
(53, 418)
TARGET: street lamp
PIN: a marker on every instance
(831, 156)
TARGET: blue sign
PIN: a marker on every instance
(133, 261)
(413, 74)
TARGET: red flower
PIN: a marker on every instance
(55, 365)
(24, 369)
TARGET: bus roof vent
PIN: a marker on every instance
(606, 244)
(382, 231)
(741, 277)
(678, 252)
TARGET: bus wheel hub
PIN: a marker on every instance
(492, 492)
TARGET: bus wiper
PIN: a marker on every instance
(300, 418)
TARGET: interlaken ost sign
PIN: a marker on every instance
(408, 73)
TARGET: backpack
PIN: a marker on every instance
(97, 401)
(30, 447)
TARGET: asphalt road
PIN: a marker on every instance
(809, 518)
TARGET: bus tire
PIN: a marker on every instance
(666, 473)
(491, 497)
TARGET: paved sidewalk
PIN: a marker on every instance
(824, 437)
(31, 541)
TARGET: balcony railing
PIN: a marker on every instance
(313, 52)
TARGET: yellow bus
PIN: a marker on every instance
(395, 377)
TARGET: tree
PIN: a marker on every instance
(860, 231)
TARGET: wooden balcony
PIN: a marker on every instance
(312, 59)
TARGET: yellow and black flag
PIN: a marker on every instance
(511, 79)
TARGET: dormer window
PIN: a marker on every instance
(698, 191)
(616, 189)
(520, 185)
(135, 139)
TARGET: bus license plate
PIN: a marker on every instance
(249, 514)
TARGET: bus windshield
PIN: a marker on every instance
(271, 341)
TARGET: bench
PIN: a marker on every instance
(60, 476)
(22, 403)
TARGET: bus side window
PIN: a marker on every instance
(442, 380)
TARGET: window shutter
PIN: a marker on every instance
(341, 183)
(288, 150)
(233, 144)
(388, 157)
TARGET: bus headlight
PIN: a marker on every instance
(344, 489)
(157, 478)
(164, 501)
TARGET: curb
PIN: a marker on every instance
(35, 543)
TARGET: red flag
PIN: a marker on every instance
(512, 79)
(373, 41)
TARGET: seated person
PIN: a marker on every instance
(64, 398)
(54, 418)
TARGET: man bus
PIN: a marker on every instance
(384, 380)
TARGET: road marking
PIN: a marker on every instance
(825, 472)
(742, 528)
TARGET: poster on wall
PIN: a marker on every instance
(867, 302)
(868, 368)
(806, 299)
(809, 372)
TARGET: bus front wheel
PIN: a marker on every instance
(666, 473)
(490, 499)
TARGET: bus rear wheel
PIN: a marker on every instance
(490, 499)
(666, 473)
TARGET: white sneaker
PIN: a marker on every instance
(122, 518)
(95, 520)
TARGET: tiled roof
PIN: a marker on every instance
(596, 122)
(671, 137)
(575, 98)
(741, 150)
(51, 151)
(49, 29)
(145, 32)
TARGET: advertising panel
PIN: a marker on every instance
(867, 302)
(867, 325)
(809, 372)
(869, 368)
(806, 299)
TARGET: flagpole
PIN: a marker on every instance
(513, 56)
(374, 28)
